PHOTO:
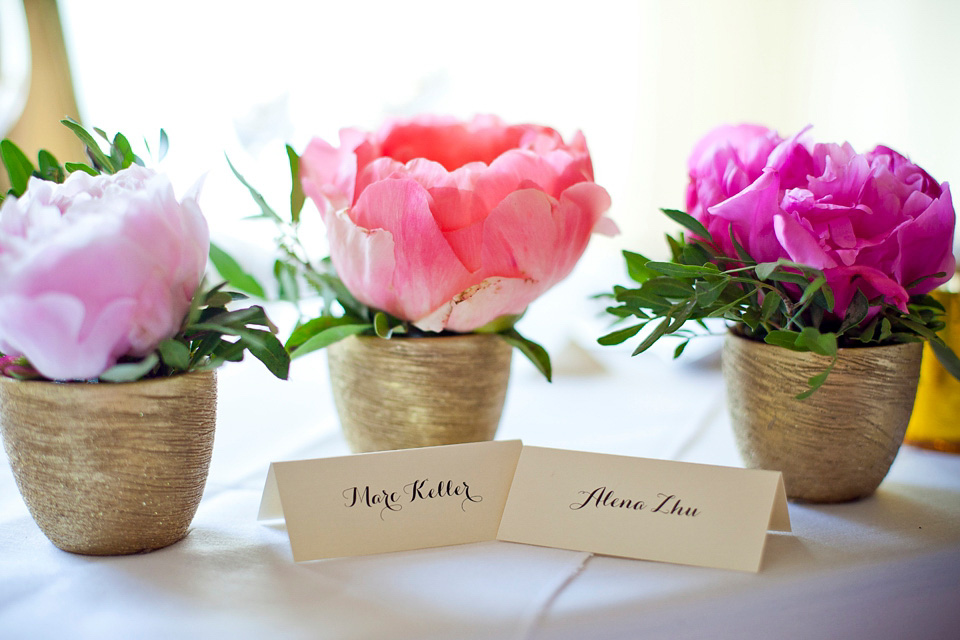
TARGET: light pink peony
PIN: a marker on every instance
(451, 224)
(874, 221)
(95, 269)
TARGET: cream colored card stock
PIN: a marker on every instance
(613, 505)
(648, 509)
(391, 501)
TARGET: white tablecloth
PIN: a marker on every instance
(884, 567)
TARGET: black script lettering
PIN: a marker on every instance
(671, 506)
(601, 497)
(386, 500)
(468, 498)
(419, 490)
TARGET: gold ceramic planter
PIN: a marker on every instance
(418, 392)
(110, 469)
(839, 443)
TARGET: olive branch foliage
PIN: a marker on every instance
(342, 315)
(781, 303)
(210, 333)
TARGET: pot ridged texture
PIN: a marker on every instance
(111, 469)
(416, 392)
(836, 445)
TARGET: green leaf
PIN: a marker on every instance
(328, 337)
(815, 382)
(164, 145)
(124, 154)
(96, 154)
(680, 347)
(919, 329)
(218, 299)
(259, 199)
(174, 354)
(533, 351)
(49, 168)
(381, 325)
(885, 330)
(268, 350)
(939, 274)
(812, 288)
(683, 270)
(296, 188)
(696, 254)
(708, 293)
(765, 269)
(667, 288)
(654, 335)
(287, 286)
(689, 222)
(637, 267)
(230, 270)
(241, 318)
(309, 329)
(130, 371)
(857, 311)
(771, 304)
(79, 166)
(947, 357)
(19, 167)
(824, 344)
(784, 338)
(620, 335)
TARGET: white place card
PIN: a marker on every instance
(391, 501)
(677, 512)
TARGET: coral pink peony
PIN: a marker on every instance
(95, 269)
(451, 224)
(874, 222)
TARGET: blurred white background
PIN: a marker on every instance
(642, 80)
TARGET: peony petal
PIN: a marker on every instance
(751, 212)
(845, 281)
(531, 235)
(507, 172)
(801, 246)
(922, 249)
(482, 304)
(328, 175)
(364, 260)
(750, 141)
(427, 272)
(46, 329)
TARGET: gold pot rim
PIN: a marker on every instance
(75, 384)
(731, 332)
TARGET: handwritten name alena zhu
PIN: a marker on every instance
(667, 504)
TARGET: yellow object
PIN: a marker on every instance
(935, 423)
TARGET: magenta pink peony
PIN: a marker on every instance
(451, 225)
(95, 269)
(874, 222)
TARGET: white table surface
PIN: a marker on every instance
(884, 567)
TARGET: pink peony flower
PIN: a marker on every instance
(95, 269)
(451, 224)
(874, 222)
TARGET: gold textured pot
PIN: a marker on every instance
(418, 392)
(111, 468)
(839, 443)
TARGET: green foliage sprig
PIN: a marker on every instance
(342, 315)
(781, 303)
(119, 156)
(211, 333)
